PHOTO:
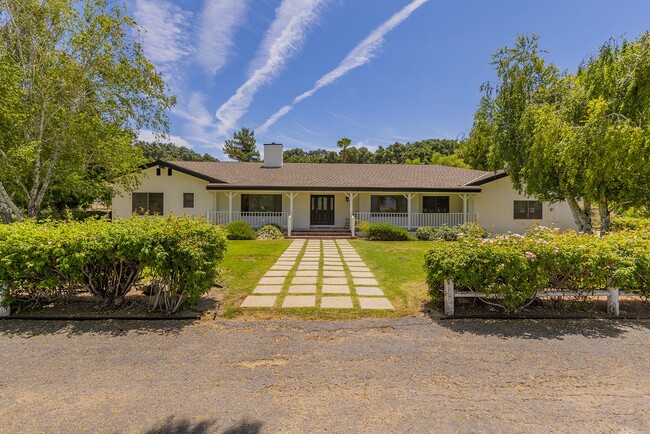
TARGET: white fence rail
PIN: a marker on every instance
(613, 296)
(417, 219)
(255, 219)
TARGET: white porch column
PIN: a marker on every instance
(464, 197)
(230, 195)
(290, 195)
(409, 197)
(351, 197)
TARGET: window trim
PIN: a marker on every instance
(399, 200)
(528, 215)
(435, 198)
(186, 197)
(245, 202)
(147, 210)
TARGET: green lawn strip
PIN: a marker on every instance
(243, 266)
(348, 275)
(287, 282)
(397, 266)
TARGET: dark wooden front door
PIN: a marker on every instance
(322, 210)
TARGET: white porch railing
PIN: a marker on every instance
(255, 219)
(417, 219)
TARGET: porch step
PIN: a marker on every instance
(321, 233)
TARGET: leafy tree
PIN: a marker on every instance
(169, 152)
(74, 87)
(343, 144)
(242, 146)
(583, 138)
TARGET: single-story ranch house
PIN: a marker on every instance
(303, 196)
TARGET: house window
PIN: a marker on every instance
(388, 203)
(527, 210)
(435, 204)
(188, 200)
(151, 203)
(261, 203)
(157, 171)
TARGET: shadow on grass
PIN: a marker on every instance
(186, 426)
(30, 328)
(544, 328)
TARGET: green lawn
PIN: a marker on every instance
(397, 266)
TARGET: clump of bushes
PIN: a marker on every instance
(363, 226)
(269, 232)
(513, 268)
(387, 232)
(240, 230)
(447, 233)
(43, 262)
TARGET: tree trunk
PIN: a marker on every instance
(581, 217)
(605, 217)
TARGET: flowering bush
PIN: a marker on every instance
(269, 232)
(513, 268)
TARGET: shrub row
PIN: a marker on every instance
(241, 230)
(447, 233)
(386, 232)
(42, 262)
(514, 268)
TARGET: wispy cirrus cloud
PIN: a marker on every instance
(282, 41)
(218, 22)
(166, 38)
(360, 55)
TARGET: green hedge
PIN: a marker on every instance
(515, 267)
(386, 232)
(240, 230)
(450, 233)
(43, 262)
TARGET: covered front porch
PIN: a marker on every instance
(303, 210)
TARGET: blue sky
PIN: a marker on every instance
(307, 72)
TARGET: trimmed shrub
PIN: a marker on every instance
(363, 226)
(240, 230)
(386, 232)
(513, 268)
(447, 233)
(269, 232)
(41, 262)
(630, 223)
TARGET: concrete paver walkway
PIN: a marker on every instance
(328, 274)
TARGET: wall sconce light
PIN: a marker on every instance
(347, 198)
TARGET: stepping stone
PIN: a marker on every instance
(271, 281)
(302, 289)
(332, 268)
(365, 269)
(304, 280)
(311, 259)
(330, 262)
(351, 258)
(286, 263)
(269, 289)
(369, 290)
(336, 289)
(361, 274)
(375, 303)
(299, 301)
(365, 281)
(272, 273)
(282, 267)
(308, 266)
(307, 273)
(355, 263)
(329, 273)
(259, 301)
(336, 302)
(335, 281)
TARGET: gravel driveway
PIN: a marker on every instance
(394, 375)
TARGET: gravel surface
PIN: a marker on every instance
(382, 375)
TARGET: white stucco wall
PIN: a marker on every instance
(172, 188)
(495, 206)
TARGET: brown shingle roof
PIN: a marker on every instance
(380, 177)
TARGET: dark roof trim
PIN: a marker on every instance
(484, 180)
(182, 170)
(324, 188)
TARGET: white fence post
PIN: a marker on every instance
(353, 224)
(613, 308)
(4, 311)
(289, 225)
(449, 297)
